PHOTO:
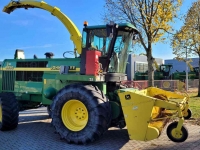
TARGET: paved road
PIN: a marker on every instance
(35, 132)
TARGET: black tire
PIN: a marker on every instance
(99, 113)
(189, 114)
(183, 135)
(10, 112)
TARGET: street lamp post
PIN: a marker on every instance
(186, 67)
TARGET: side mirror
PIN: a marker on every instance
(110, 28)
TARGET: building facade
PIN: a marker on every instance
(180, 66)
(138, 64)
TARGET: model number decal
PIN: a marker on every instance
(58, 68)
(9, 67)
(72, 67)
(91, 79)
(55, 68)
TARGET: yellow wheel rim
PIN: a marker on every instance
(1, 115)
(177, 134)
(74, 115)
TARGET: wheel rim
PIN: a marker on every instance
(74, 115)
(177, 134)
(1, 115)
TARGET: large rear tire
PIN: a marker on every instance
(81, 113)
(9, 113)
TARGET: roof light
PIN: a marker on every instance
(85, 23)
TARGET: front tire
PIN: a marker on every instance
(81, 113)
(177, 136)
(9, 113)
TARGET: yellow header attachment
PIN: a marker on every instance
(71, 27)
(147, 111)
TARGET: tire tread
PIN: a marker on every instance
(98, 107)
(10, 113)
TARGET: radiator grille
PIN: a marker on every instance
(8, 80)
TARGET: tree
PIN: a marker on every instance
(151, 17)
(188, 37)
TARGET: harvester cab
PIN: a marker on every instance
(84, 95)
(111, 43)
(166, 70)
(196, 70)
(162, 72)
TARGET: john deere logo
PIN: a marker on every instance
(127, 97)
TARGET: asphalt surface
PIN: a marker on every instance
(35, 132)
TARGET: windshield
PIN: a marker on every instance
(165, 68)
(98, 40)
(121, 50)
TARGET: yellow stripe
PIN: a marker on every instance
(36, 69)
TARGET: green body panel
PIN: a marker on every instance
(162, 72)
(158, 75)
(28, 87)
(56, 82)
(50, 92)
(140, 76)
(113, 96)
(32, 93)
(46, 101)
(182, 75)
(24, 96)
(80, 78)
(116, 109)
(36, 81)
(17, 76)
(144, 76)
(52, 65)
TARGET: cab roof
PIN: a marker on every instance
(120, 25)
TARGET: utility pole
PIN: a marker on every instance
(186, 66)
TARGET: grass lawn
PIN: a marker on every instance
(194, 105)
